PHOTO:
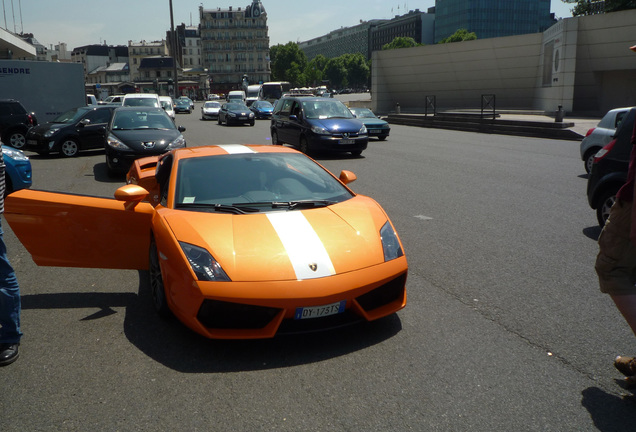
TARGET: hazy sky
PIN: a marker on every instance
(86, 22)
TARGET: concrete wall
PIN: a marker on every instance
(582, 64)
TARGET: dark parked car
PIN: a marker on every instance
(262, 109)
(136, 132)
(235, 113)
(17, 171)
(376, 127)
(77, 129)
(15, 122)
(609, 169)
(317, 123)
(182, 106)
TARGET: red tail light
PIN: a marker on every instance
(590, 131)
(604, 151)
(31, 120)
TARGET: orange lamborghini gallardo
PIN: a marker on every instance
(239, 241)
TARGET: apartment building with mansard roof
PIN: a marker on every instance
(234, 43)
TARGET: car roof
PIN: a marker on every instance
(138, 108)
(216, 150)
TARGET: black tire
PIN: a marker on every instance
(588, 159)
(303, 146)
(69, 148)
(218, 120)
(356, 153)
(16, 139)
(275, 139)
(251, 123)
(605, 203)
(157, 288)
(381, 138)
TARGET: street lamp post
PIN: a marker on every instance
(174, 52)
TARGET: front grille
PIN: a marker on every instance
(384, 294)
(215, 314)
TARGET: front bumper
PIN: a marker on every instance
(256, 310)
(336, 143)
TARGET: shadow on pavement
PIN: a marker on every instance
(175, 346)
(610, 413)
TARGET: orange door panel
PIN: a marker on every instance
(80, 231)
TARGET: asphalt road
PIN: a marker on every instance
(505, 329)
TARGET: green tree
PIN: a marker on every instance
(400, 42)
(357, 68)
(592, 7)
(315, 70)
(288, 63)
(459, 36)
(336, 72)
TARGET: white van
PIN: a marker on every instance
(236, 96)
(142, 99)
(252, 94)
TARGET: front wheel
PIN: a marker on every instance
(69, 148)
(17, 140)
(218, 120)
(275, 139)
(156, 283)
(304, 147)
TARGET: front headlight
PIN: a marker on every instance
(178, 143)
(390, 243)
(205, 267)
(251, 114)
(49, 133)
(14, 154)
(231, 114)
(363, 130)
(116, 144)
(320, 130)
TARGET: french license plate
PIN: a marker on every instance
(374, 131)
(243, 118)
(320, 311)
(346, 141)
(32, 142)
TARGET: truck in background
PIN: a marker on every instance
(46, 88)
(252, 93)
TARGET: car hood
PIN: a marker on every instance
(287, 245)
(373, 122)
(134, 138)
(338, 124)
(42, 128)
(240, 112)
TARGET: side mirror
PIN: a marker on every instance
(131, 195)
(293, 117)
(84, 122)
(181, 129)
(347, 177)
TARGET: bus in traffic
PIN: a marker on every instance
(272, 91)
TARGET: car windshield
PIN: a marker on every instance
(212, 105)
(149, 102)
(70, 116)
(236, 107)
(183, 102)
(258, 182)
(262, 104)
(133, 119)
(363, 113)
(166, 105)
(325, 109)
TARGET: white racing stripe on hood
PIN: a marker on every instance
(306, 252)
(236, 148)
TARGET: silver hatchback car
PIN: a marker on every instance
(598, 137)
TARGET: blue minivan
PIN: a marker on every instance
(317, 124)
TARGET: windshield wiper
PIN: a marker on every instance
(223, 208)
(302, 204)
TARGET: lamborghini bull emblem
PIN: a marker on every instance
(313, 266)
